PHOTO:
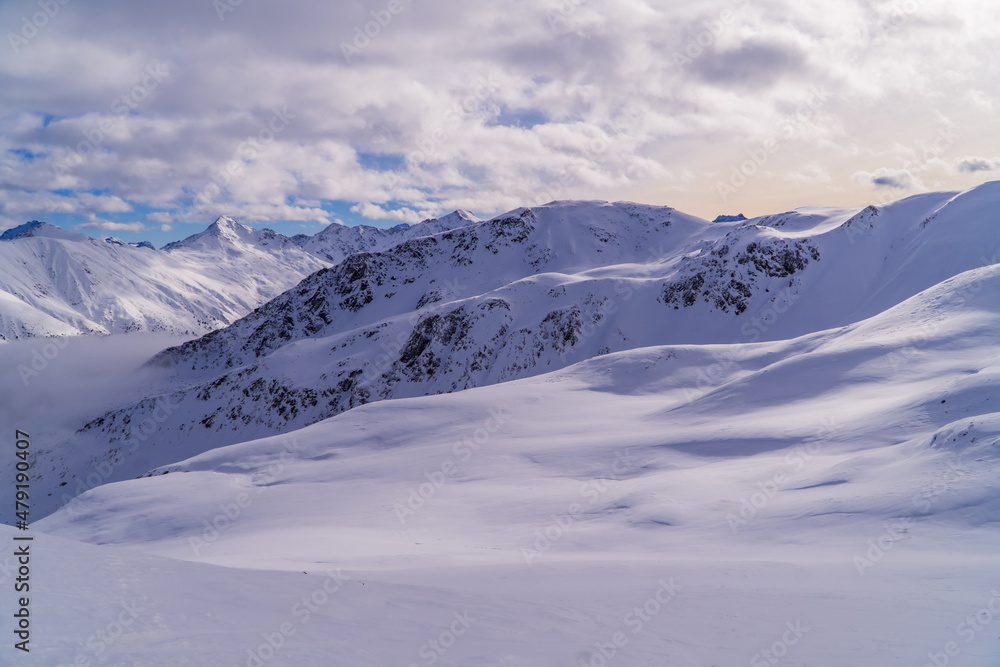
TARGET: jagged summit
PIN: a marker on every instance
(458, 218)
(539, 288)
(65, 283)
(224, 230)
(225, 225)
(113, 240)
(21, 230)
(57, 282)
(37, 229)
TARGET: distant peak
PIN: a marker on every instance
(462, 214)
(458, 217)
(224, 229)
(36, 228)
(739, 217)
(227, 224)
(112, 240)
(21, 230)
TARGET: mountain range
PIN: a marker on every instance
(526, 293)
(55, 282)
(584, 433)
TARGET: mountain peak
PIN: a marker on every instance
(21, 230)
(36, 228)
(224, 229)
(460, 215)
(113, 240)
(226, 226)
(457, 218)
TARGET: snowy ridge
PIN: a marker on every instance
(337, 242)
(62, 283)
(740, 486)
(530, 292)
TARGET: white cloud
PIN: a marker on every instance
(376, 212)
(592, 104)
(898, 179)
(976, 164)
(807, 174)
(980, 100)
(108, 226)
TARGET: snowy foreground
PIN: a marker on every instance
(829, 498)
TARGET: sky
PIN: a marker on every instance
(149, 120)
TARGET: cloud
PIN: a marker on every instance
(605, 108)
(752, 64)
(972, 165)
(898, 179)
(808, 174)
(376, 212)
(160, 216)
(108, 226)
(980, 100)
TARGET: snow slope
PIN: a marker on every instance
(337, 242)
(62, 283)
(831, 499)
(534, 291)
(55, 282)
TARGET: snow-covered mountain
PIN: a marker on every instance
(60, 283)
(534, 291)
(678, 504)
(337, 242)
(592, 434)
(55, 282)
